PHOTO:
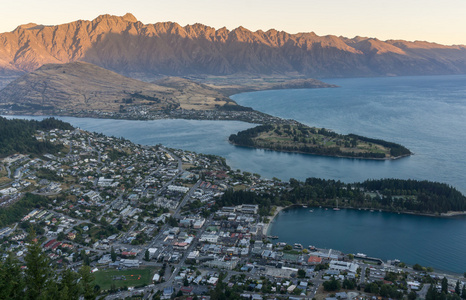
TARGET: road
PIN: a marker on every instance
(8, 170)
(363, 273)
(170, 281)
(186, 198)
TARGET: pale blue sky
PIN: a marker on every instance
(429, 20)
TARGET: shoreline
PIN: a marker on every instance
(336, 156)
(449, 214)
(266, 226)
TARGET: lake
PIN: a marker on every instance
(425, 114)
(428, 241)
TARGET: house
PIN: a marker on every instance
(130, 263)
(341, 295)
(168, 291)
(314, 260)
(212, 280)
(71, 236)
(187, 290)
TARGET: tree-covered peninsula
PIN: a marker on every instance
(320, 141)
(397, 195)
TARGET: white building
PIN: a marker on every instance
(211, 238)
(343, 266)
(175, 188)
(130, 263)
(193, 254)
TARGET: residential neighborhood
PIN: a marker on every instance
(146, 219)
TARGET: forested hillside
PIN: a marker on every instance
(17, 136)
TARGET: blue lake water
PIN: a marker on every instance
(436, 242)
(426, 114)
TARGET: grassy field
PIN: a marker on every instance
(122, 278)
(239, 187)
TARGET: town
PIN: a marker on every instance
(147, 221)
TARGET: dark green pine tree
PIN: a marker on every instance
(457, 288)
(412, 295)
(11, 279)
(69, 286)
(445, 285)
(86, 283)
(113, 254)
(432, 293)
(38, 273)
(463, 292)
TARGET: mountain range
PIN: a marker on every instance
(126, 46)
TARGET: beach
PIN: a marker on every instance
(265, 228)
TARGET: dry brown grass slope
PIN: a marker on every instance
(83, 86)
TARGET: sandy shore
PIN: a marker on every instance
(266, 226)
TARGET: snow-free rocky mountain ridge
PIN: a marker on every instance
(129, 47)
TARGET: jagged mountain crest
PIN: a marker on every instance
(127, 46)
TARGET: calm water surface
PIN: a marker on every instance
(429, 241)
(426, 114)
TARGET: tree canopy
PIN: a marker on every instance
(17, 136)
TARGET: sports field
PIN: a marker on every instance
(123, 278)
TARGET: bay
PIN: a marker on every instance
(209, 137)
(428, 241)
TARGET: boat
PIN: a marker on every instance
(371, 210)
(273, 237)
(304, 206)
(336, 208)
(298, 246)
(311, 210)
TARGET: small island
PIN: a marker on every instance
(300, 138)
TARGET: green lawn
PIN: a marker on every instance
(121, 278)
(292, 252)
